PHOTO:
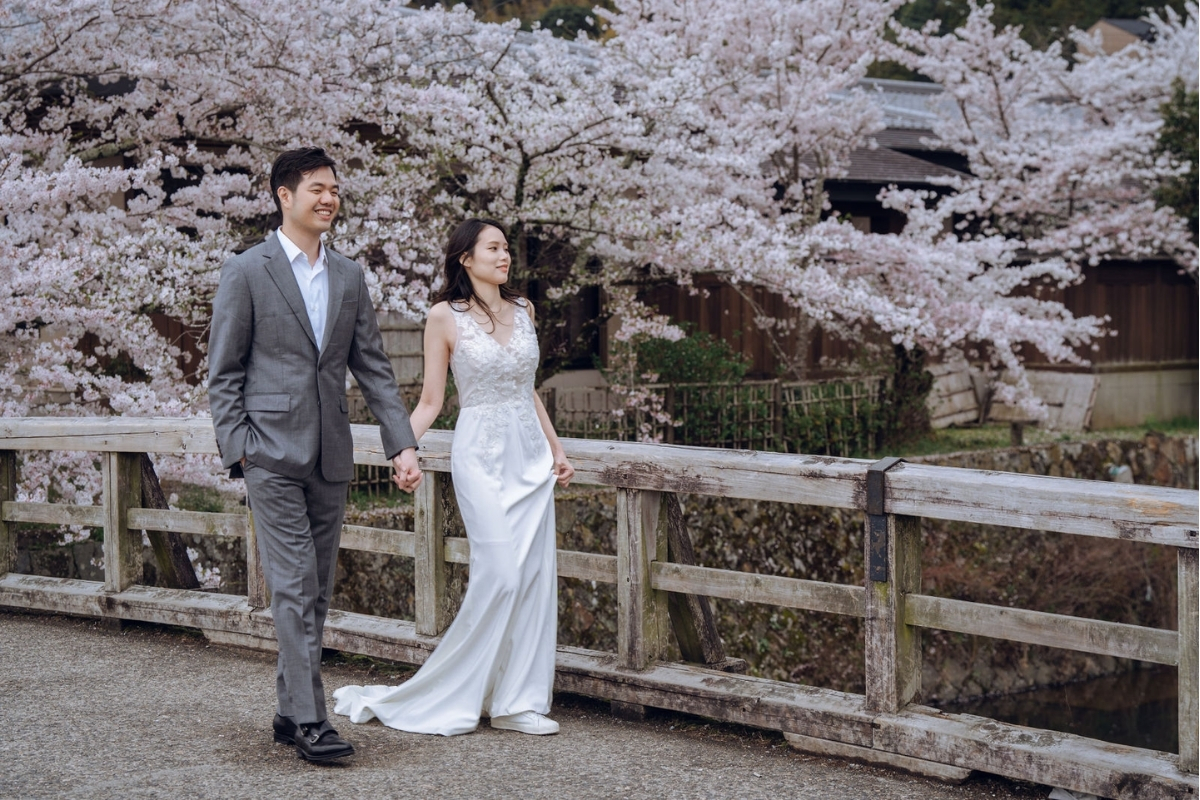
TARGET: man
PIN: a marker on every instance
(289, 317)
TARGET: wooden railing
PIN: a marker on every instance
(882, 725)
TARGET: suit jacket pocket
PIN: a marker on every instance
(268, 402)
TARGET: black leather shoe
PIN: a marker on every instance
(318, 741)
(286, 729)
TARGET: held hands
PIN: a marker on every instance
(563, 470)
(408, 472)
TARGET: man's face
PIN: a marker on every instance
(312, 207)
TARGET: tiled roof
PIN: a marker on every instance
(884, 165)
(1134, 27)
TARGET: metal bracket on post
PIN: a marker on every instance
(877, 566)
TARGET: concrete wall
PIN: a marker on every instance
(1133, 396)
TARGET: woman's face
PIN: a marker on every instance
(489, 260)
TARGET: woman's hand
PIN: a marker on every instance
(563, 471)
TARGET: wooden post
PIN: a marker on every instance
(893, 570)
(8, 493)
(642, 617)
(1189, 617)
(691, 614)
(175, 570)
(777, 416)
(122, 546)
(893, 649)
(429, 567)
(257, 594)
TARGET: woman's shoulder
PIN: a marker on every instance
(441, 314)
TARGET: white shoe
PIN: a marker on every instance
(526, 722)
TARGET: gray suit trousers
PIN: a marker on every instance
(298, 522)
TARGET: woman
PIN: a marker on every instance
(498, 655)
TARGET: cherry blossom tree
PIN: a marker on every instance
(695, 137)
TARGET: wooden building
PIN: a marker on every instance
(1145, 371)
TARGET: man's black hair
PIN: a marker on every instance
(291, 167)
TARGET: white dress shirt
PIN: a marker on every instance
(313, 281)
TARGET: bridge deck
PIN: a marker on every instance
(153, 712)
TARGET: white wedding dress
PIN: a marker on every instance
(498, 654)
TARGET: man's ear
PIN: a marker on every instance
(285, 196)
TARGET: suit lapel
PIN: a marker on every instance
(337, 285)
(280, 270)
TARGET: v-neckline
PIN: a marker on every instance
(479, 325)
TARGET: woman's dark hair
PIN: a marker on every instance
(292, 165)
(459, 291)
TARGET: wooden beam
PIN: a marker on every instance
(54, 514)
(587, 566)
(110, 434)
(429, 557)
(379, 540)
(1040, 756)
(1188, 594)
(257, 593)
(641, 610)
(750, 587)
(1037, 627)
(8, 493)
(691, 614)
(201, 523)
(917, 766)
(1091, 508)
(175, 568)
(122, 544)
(893, 646)
(960, 740)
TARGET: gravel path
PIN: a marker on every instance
(154, 712)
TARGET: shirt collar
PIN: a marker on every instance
(291, 251)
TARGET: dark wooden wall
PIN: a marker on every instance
(1152, 308)
(721, 310)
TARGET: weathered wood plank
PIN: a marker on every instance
(1188, 593)
(787, 478)
(54, 514)
(429, 557)
(752, 588)
(967, 742)
(587, 566)
(1092, 508)
(691, 614)
(202, 523)
(458, 550)
(258, 594)
(1045, 757)
(705, 692)
(1038, 627)
(571, 563)
(122, 544)
(8, 493)
(917, 766)
(893, 646)
(641, 610)
(379, 540)
(109, 434)
(175, 568)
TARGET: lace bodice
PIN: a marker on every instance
(496, 381)
(487, 373)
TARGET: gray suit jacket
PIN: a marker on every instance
(276, 398)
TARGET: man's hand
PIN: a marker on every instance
(408, 471)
